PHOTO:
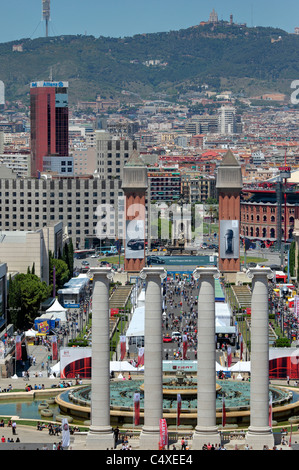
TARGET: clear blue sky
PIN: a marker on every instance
(117, 18)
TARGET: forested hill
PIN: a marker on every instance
(158, 62)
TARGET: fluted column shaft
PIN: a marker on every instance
(206, 429)
(100, 374)
(153, 373)
(259, 381)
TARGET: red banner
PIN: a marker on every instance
(122, 347)
(179, 406)
(223, 413)
(140, 360)
(270, 412)
(163, 434)
(136, 409)
(18, 348)
(229, 356)
(185, 346)
(241, 347)
(54, 348)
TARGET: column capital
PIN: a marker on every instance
(260, 271)
(206, 271)
(147, 272)
(102, 272)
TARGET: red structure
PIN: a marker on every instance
(135, 185)
(49, 122)
(260, 215)
(229, 185)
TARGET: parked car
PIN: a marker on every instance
(85, 263)
(104, 263)
(167, 339)
(176, 335)
(135, 244)
(155, 260)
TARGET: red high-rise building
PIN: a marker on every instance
(49, 122)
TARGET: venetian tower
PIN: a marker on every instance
(229, 185)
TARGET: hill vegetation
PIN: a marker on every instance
(184, 59)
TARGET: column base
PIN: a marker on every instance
(257, 438)
(205, 436)
(100, 439)
(149, 439)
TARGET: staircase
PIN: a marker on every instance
(118, 299)
(242, 295)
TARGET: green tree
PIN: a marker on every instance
(62, 273)
(14, 302)
(26, 292)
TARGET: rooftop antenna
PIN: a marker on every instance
(46, 14)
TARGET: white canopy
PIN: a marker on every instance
(31, 333)
(241, 366)
(56, 308)
(124, 366)
(136, 327)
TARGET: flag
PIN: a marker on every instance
(223, 412)
(163, 434)
(136, 409)
(241, 347)
(54, 281)
(185, 346)
(229, 356)
(43, 327)
(270, 412)
(122, 347)
(290, 440)
(140, 360)
(179, 405)
(54, 348)
(65, 433)
(18, 348)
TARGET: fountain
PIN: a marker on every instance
(77, 402)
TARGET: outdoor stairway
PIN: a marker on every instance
(243, 296)
(118, 299)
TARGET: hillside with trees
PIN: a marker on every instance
(153, 63)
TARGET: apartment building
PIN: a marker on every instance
(31, 204)
(112, 154)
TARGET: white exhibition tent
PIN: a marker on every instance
(56, 311)
(121, 366)
(241, 366)
(31, 333)
(136, 327)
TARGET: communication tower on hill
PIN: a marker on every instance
(46, 14)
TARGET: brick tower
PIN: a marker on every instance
(229, 185)
(135, 185)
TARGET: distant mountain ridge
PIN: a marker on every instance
(166, 62)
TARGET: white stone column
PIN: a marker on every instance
(259, 433)
(100, 435)
(153, 373)
(206, 430)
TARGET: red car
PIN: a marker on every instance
(167, 339)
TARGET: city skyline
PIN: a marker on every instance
(120, 19)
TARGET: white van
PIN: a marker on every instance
(176, 335)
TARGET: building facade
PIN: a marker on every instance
(31, 204)
(112, 154)
(260, 220)
(49, 122)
